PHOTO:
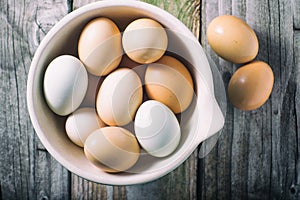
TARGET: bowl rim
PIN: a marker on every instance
(30, 95)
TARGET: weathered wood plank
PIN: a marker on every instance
(186, 11)
(180, 184)
(79, 3)
(83, 189)
(217, 163)
(296, 13)
(52, 181)
(257, 155)
(259, 126)
(275, 34)
(295, 187)
(23, 168)
(259, 143)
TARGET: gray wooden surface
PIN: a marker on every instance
(256, 157)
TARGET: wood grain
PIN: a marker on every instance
(255, 155)
(180, 184)
(295, 187)
(296, 13)
(27, 171)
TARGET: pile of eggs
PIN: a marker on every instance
(140, 85)
(235, 41)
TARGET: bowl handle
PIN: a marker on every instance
(214, 131)
(217, 121)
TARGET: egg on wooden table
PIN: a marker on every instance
(251, 85)
(119, 97)
(157, 128)
(65, 84)
(113, 149)
(145, 40)
(81, 123)
(169, 82)
(99, 46)
(232, 39)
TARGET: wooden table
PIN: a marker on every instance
(256, 157)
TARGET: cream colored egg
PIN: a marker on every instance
(65, 84)
(99, 46)
(169, 82)
(232, 39)
(145, 40)
(113, 149)
(81, 123)
(119, 97)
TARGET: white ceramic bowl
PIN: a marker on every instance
(202, 119)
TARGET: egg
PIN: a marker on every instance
(157, 128)
(145, 40)
(65, 84)
(113, 149)
(81, 123)
(232, 39)
(251, 85)
(169, 82)
(119, 97)
(99, 46)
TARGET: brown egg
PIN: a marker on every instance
(169, 82)
(113, 149)
(99, 46)
(232, 39)
(144, 40)
(251, 85)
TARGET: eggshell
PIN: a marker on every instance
(99, 46)
(119, 97)
(251, 85)
(81, 123)
(169, 82)
(232, 39)
(144, 40)
(65, 84)
(157, 128)
(112, 149)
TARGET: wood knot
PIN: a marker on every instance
(295, 189)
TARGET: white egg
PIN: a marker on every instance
(81, 123)
(119, 97)
(65, 84)
(157, 128)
